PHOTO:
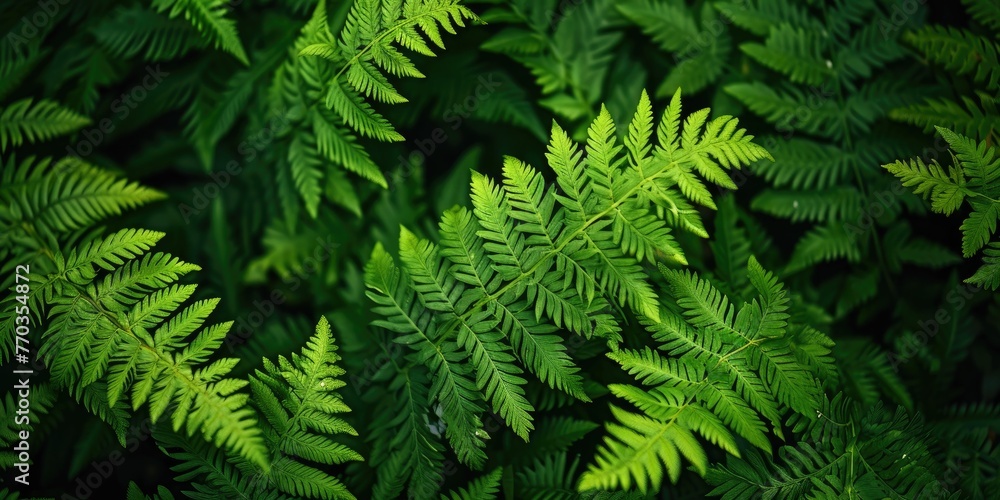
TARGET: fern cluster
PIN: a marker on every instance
(727, 371)
(529, 260)
(971, 135)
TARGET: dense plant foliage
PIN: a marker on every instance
(518, 248)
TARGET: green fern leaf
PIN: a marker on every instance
(821, 244)
(988, 275)
(946, 189)
(22, 121)
(209, 18)
(960, 52)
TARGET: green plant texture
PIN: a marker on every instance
(472, 249)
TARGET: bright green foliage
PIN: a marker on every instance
(732, 370)
(530, 259)
(299, 403)
(63, 196)
(366, 48)
(846, 452)
(114, 308)
(975, 178)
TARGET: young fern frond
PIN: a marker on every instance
(732, 369)
(945, 189)
(209, 18)
(298, 399)
(531, 259)
(22, 121)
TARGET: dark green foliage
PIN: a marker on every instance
(283, 249)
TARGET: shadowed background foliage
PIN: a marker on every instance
(805, 324)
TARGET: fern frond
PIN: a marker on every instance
(23, 121)
(114, 311)
(13, 70)
(531, 259)
(985, 12)
(209, 18)
(794, 52)
(821, 244)
(135, 29)
(988, 275)
(69, 194)
(780, 108)
(731, 366)
(299, 400)
(759, 16)
(675, 30)
(960, 51)
(365, 47)
(892, 462)
(967, 117)
(482, 487)
(814, 205)
(945, 189)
